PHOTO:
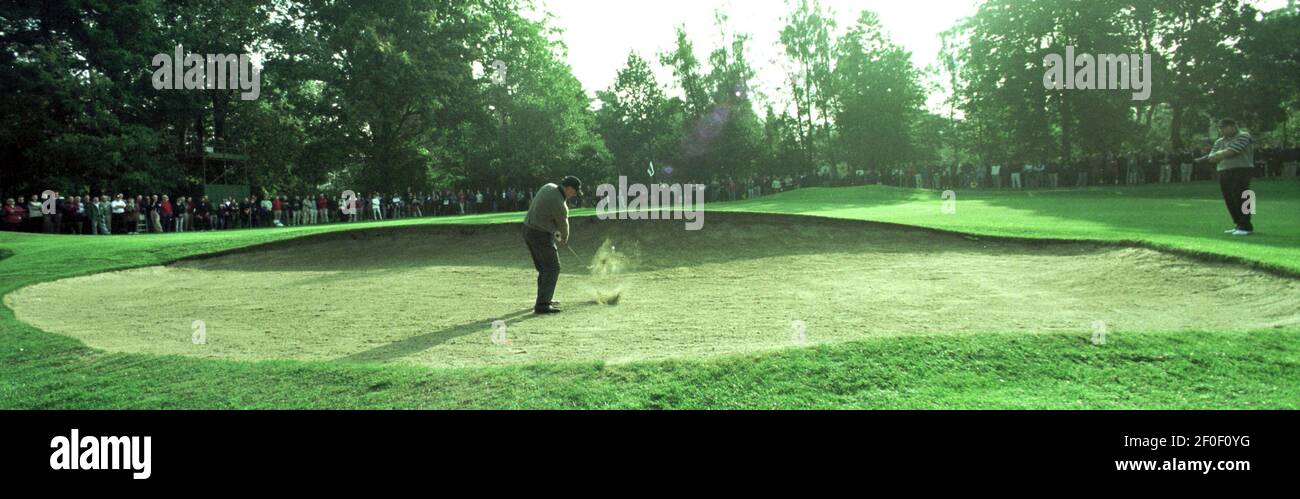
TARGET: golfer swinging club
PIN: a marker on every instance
(1235, 154)
(546, 224)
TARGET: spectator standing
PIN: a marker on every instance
(67, 209)
(94, 213)
(13, 215)
(246, 213)
(203, 214)
(106, 215)
(322, 213)
(182, 213)
(1167, 168)
(224, 215)
(118, 209)
(37, 219)
(265, 213)
(168, 214)
(154, 217)
(55, 217)
(83, 215)
(21, 204)
(130, 217)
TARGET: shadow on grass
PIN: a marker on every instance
(422, 342)
(1193, 210)
(650, 245)
(1124, 215)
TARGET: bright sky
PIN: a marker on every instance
(600, 33)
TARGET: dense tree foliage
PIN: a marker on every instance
(1211, 58)
(419, 94)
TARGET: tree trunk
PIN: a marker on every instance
(219, 112)
(1176, 126)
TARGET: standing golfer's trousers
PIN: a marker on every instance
(1233, 182)
(546, 259)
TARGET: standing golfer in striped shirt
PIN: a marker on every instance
(546, 224)
(1235, 154)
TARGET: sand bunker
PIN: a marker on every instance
(746, 283)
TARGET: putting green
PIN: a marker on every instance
(429, 295)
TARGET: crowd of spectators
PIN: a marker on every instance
(123, 214)
(1098, 169)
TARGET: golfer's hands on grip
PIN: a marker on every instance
(561, 240)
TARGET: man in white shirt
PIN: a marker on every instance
(118, 207)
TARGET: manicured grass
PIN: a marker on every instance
(1189, 217)
(1202, 369)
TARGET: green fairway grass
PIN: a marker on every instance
(1188, 217)
(1015, 368)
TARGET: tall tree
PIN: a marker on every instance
(880, 95)
(688, 74)
(636, 119)
(807, 40)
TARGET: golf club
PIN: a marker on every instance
(575, 255)
(604, 300)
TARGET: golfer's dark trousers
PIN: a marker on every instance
(1233, 182)
(546, 258)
